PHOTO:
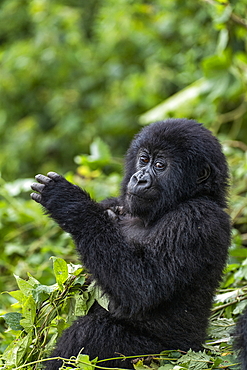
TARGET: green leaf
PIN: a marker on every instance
(221, 328)
(240, 307)
(75, 269)
(223, 40)
(194, 360)
(99, 157)
(15, 352)
(83, 362)
(139, 365)
(98, 295)
(42, 293)
(228, 296)
(217, 362)
(29, 313)
(101, 298)
(17, 294)
(13, 320)
(229, 360)
(99, 150)
(25, 286)
(166, 367)
(32, 280)
(61, 271)
(83, 303)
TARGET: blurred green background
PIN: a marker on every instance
(73, 70)
(79, 78)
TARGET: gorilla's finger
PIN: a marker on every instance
(42, 179)
(37, 187)
(53, 175)
(111, 214)
(37, 197)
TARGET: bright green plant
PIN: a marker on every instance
(44, 311)
(74, 70)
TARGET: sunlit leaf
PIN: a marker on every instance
(60, 269)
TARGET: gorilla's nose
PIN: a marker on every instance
(141, 180)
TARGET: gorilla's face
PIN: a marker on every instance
(162, 180)
(170, 162)
(149, 167)
(149, 185)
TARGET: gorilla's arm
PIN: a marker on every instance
(134, 280)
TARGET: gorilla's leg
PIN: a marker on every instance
(97, 334)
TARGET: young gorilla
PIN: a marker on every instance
(157, 251)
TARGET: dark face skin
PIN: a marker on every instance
(147, 183)
(149, 167)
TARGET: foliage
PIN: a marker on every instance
(77, 77)
(44, 311)
(28, 239)
(219, 95)
(72, 71)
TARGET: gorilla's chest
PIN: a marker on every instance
(134, 231)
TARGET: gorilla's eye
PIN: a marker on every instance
(144, 159)
(159, 165)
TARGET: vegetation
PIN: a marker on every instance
(80, 77)
(72, 70)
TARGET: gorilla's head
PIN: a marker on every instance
(170, 162)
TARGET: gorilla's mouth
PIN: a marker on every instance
(134, 194)
(144, 197)
(130, 193)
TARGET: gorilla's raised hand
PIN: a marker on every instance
(60, 199)
(42, 187)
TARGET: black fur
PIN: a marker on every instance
(240, 343)
(159, 250)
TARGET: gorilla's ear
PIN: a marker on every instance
(204, 174)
